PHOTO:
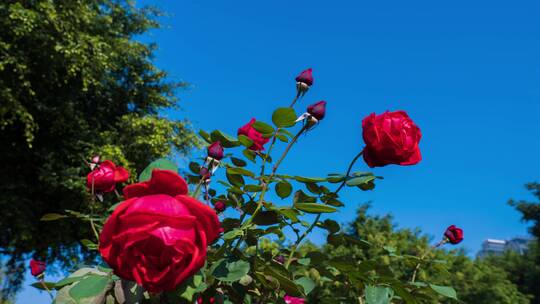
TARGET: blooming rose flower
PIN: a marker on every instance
(37, 267)
(158, 236)
(454, 234)
(391, 138)
(215, 150)
(106, 176)
(318, 109)
(306, 77)
(258, 140)
(293, 300)
(220, 206)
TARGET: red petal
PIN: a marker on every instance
(121, 175)
(167, 182)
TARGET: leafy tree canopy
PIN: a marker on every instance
(73, 83)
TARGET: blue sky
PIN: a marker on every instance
(468, 73)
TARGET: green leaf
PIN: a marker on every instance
(238, 162)
(195, 168)
(89, 244)
(162, 163)
(232, 234)
(39, 285)
(90, 286)
(377, 295)
(241, 171)
(304, 261)
(235, 179)
(445, 291)
(265, 218)
(283, 189)
(303, 179)
(249, 154)
(52, 217)
(253, 188)
(205, 136)
(289, 213)
(331, 225)
(314, 208)
(290, 287)
(356, 181)
(283, 138)
(262, 127)
(284, 117)
(226, 140)
(245, 141)
(227, 270)
(306, 283)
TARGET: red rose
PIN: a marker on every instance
(293, 300)
(305, 77)
(215, 150)
(391, 138)
(258, 140)
(317, 110)
(454, 234)
(158, 236)
(37, 267)
(106, 176)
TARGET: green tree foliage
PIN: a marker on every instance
(399, 249)
(73, 82)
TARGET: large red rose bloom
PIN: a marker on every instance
(391, 138)
(158, 236)
(258, 140)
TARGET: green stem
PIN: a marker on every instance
(417, 268)
(349, 171)
(42, 282)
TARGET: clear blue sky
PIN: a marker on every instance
(467, 72)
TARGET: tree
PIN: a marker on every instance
(399, 249)
(73, 83)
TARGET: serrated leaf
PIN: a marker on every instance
(314, 208)
(230, 270)
(162, 163)
(284, 117)
(90, 286)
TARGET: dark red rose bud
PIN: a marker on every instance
(37, 267)
(454, 234)
(220, 206)
(215, 150)
(305, 77)
(318, 109)
(280, 259)
(204, 173)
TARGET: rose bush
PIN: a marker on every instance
(164, 243)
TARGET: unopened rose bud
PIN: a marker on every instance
(37, 267)
(215, 150)
(317, 110)
(280, 259)
(304, 81)
(453, 234)
(219, 206)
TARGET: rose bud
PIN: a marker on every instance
(258, 140)
(220, 206)
(280, 259)
(158, 236)
(37, 267)
(215, 150)
(391, 138)
(95, 159)
(304, 81)
(293, 300)
(453, 234)
(106, 176)
(317, 110)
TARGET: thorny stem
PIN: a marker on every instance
(442, 242)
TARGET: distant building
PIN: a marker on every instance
(492, 246)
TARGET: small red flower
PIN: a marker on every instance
(305, 77)
(318, 109)
(391, 138)
(293, 300)
(258, 140)
(37, 267)
(105, 177)
(454, 234)
(220, 206)
(215, 150)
